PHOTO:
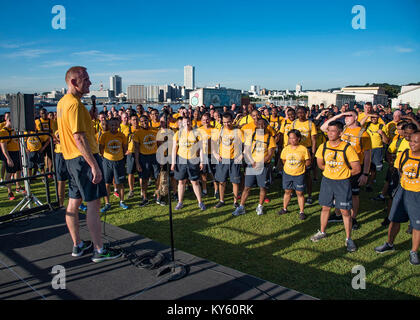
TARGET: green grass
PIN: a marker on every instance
(277, 249)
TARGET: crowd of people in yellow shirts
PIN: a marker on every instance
(248, 147)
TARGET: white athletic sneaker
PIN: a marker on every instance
(259, 210)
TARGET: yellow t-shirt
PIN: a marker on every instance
(390, 129)
(286, 126)
(155, 125)
(73, 117)
(397, 149)
(249, 129)
(375, 137)
(46, 125)
(335, 164)
(11, 144)
(2, 124)
(275, 122)
(131, 140)
(187, 141)
(57, 148)
(125, 128)
(196, 123)
(362, 115)
(361, 144)
(307, 130)
(229, 142)
(206, 138)
(147, 140)
(34, 143)
(113, 145)
(215, 124)
(410, 176)
(295, 159)
(245, 120)
(260, 145)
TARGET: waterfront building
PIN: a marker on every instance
(115, 84)
(189, 77)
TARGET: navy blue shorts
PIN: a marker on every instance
(149, 166)
(229, 170)
(114, 170)
(293, 182)
(377, 156)
(209, 167)
(80, 180)
(35, 159)
(61, 168)
(17, 165)
(335, 193)
(131, 163)
(262, 180)
(185, 169)
(405, 207)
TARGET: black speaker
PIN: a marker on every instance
(22, 112)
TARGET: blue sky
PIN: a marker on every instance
(273, 44)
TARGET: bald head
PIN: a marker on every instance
(74, 72)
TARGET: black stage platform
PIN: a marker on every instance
(30, 248)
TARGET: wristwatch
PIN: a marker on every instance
(366, 174)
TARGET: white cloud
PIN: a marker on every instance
(27, 53)
(54, 64)
(403, 50)
(101, 56)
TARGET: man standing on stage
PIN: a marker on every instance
(81, 152)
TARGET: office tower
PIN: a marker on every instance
(136, 94)
(115, 84)
(189, 77)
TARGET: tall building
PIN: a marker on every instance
(136, 94)
(115, 84)
(189, 77)
(254, 89)
(153, 93)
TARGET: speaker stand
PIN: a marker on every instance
(29, 198)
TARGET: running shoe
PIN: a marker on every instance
(384, 248)
(83, 207)
(78, 251)
(144, 203)
(106, 208)
(318, 236)
(414, 258)
(239, 210)
(302, 216)
(116, 194)
(309, 200)
(202, 206)
(123, 205)
(282, 212)
(350, 245)
(11, 196)
(219, 204)
(335, 218)
(130, 194)
(259, 210)
(107, 254)
(179, 206)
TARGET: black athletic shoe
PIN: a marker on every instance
(144, 203)
(107, 254)
(219, 204)
(379, 197)
(384, 248)
(77, 251)
(355, 225)
(302, 216)
(386, 222)
(414, 258)
(335, 218)
(236, 205)
(282, 212)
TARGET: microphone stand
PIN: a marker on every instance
(177, 270)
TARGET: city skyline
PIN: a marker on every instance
(278, 46)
